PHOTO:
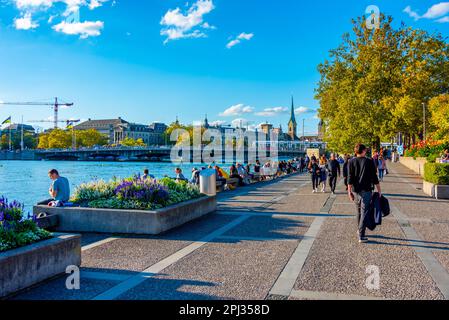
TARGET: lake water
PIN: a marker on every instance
(28, 182)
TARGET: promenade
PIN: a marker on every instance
(275, 240)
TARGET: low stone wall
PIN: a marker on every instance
(436, 191)
(129, 221)
(429, 188)
(24, 267)
(416, 165)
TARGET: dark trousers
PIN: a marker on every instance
(315, 181)
(45, 202)
(346, 183)
(362, 203)
(333, 183)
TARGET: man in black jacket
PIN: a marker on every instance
(362, 177)
(334, 172)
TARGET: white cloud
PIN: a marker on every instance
(241, 37)
(241, 123)
(217, 123)
(179, 25)
(411, 13)
(270, 112)
(443, 20)
(25, 22)
(436, 11)
(83, 29)
(237, 110)
(302, 110)
(72, 7)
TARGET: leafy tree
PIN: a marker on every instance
(439, 109)
(90, 138)
(130, 142)
(374, 83)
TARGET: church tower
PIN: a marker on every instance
(292, 125)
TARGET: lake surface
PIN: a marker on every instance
(28, 182)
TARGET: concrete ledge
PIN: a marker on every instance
(436, 191)
(441, 192)
(24, 267)
(129, 221)
(416, 165)
(429, 188)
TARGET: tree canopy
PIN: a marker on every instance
(375, 83)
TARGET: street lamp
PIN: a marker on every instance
(424, 120)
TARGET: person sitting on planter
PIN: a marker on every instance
(59, 190)
(147, 175)
(179, 175)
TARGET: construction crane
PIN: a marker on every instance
(55, 106)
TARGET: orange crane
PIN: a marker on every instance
(55, 106)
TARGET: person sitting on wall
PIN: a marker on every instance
(179, 175)
(147, 175)
(59, 190)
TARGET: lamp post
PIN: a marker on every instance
(424, 121)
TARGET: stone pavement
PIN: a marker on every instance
(275, 240)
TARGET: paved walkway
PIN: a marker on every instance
(276, 241)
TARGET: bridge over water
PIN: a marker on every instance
(130, 154)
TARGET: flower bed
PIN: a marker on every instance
(134, 194)
(436, 180)
(16, 230)
(429, 149)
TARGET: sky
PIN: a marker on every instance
(238, 61)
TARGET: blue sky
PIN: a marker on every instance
(154, 60)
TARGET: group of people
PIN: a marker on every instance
(361, 174)
(322, 170)
(245, 174)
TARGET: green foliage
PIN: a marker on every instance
(63, 139)
(29, 140)
(95, 190)
(130, 142)
(134, 193)
(437, 173)
(15, 230)
(427, 149)
(375, 82)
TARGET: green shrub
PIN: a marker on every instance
(437, 173)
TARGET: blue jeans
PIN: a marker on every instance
(381, 174)
(362, 203)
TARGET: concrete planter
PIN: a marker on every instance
(129, 221)
(429, 189)
(416, 165)
(436, 191)
(24, 267)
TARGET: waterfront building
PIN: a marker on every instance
(119, 129)
(17, 128)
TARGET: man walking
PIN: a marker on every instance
(362, 177)
(334, 172)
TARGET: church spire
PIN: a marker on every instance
(292, 116)
(292, 125)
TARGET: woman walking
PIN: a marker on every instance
(315, 173)
(323, 173)
(381, 167)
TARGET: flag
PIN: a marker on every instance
(69, 124)
(7, 121)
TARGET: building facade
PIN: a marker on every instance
(118, 129)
